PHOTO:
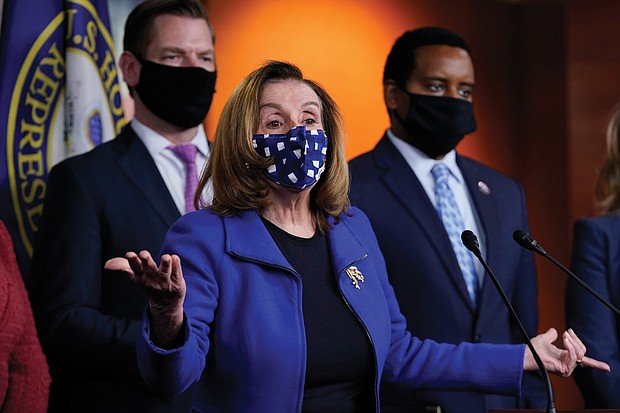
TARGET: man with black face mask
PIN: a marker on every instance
(420, 194)
(123, 195)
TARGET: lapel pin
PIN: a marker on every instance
(355, 275)
(484, 188)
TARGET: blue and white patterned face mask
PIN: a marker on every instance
(298, 156)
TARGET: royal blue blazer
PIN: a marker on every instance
(596, 260)
(245, 340)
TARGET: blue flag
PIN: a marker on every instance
(59, 96)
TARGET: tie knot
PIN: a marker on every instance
(441, 173)
(185, 152)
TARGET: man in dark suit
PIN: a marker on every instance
(122, 196)
(427, 84)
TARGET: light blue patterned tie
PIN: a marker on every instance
(452, 221)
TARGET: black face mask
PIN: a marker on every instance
(179, 95)
(436, 124)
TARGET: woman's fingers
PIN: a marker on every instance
(594, 364)
(117, 264)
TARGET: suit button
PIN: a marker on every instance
(477, 338)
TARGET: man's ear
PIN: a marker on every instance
(130, 66)
(391, 94)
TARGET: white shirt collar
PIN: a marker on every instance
(420, 163)
(155, 143)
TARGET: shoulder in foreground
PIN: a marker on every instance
(90, 158)
(355, 216)
(363, 169)
(602, 221)
(198, 218)
(103, 152)
(361, 158)
(471, 166)
(354, 211)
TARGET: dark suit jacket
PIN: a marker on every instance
(596, 260)
(99, 205)
(425, 273)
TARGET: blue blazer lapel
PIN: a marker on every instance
(402, 182)
(247, 237)
(138, 165)
(345, 249)
(260, 246)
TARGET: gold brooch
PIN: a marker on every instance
(355, 275)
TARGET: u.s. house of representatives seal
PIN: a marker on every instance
(66, 100)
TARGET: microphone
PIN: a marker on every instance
(470, 241)
(528, 242)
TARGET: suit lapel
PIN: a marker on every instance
(402, 182)
(486, 209)
(259, 246)
(138, 165)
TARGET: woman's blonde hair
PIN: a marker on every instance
(236, 170)
(607, 189)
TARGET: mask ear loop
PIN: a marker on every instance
(399, 118)
(139, 57)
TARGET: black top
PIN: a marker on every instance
(339, 365)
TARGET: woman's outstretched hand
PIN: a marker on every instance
(561, 361)
(165, 288)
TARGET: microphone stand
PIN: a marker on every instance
(471, 243)
(526, 241)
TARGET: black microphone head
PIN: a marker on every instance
(528, 242)
(524, 239)
(470, 240)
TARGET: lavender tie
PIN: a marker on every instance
(452, 221)
(187, 154)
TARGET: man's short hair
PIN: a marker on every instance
(401, 61)
(139, 24)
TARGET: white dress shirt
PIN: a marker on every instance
(170, 167)
(422, 165)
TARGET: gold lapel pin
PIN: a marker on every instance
(355, 275)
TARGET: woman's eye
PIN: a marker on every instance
(309, 121)
(274, 124)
